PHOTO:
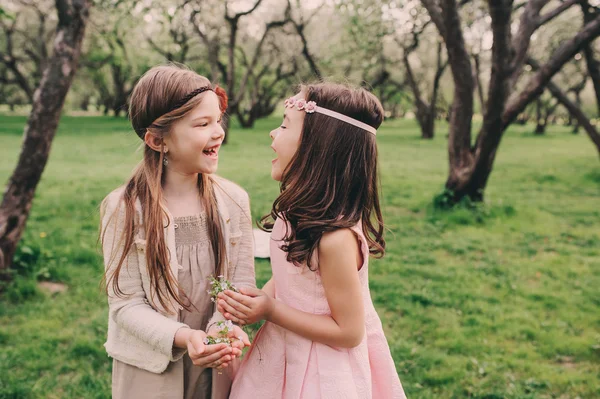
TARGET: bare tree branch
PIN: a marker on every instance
(435, 13)
(270, 26)
(536, 83)
(241, 14)
(549, 16)
(300, 26)
(571, 107)
(529, 23)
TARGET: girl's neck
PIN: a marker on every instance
(180, 185)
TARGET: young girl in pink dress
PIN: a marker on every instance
(322, 337)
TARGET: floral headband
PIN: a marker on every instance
(311, 107)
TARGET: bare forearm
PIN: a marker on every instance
(320, 328)
(269, 288)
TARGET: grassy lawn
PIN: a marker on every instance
(498, 302)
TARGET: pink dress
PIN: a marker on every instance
(281, 364)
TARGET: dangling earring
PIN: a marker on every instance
(165, 160)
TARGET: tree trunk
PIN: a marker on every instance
(470, 180)
(576, 124)
(424, 116)
(478, 82)
(41, 126)
(246, 121)
(84, 105)
(471, 165)
(432, 113)
(470, 168)
(427, 126)
(540, 127)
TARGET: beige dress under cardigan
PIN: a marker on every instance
(181, 379)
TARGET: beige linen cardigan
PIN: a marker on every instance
(140, 332)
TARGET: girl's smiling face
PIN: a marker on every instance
(194, 141)
(286, 139)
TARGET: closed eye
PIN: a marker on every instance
(206, 124)
(283, 127)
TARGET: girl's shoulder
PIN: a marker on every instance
(337, 241)
(114, 196)
(231, 190)
(112, 202)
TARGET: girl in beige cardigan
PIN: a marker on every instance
(173, 224)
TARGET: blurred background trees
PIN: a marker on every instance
(477, 65)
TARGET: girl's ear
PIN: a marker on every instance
(153, 141)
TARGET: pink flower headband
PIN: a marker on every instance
(311, 107)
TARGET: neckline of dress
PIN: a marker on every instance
(190, 217)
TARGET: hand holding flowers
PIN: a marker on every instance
(247, 306)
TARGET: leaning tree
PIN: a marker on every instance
(471, 162)
(48, 101)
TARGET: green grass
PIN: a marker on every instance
(497, 302)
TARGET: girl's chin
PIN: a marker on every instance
(275, 175)
(208, 169)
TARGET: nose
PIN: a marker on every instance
(273, 134)
(218, 133)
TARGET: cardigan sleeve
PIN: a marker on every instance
(132, 311)
(244, 269)
(244, 275)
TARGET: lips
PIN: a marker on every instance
(212, 152)
(276, 159)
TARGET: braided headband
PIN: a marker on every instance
(311, 107)
(178, 104)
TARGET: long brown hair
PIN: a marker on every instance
(331, 182)
(158, 91)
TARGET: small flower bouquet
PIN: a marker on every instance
(218, 285)
(223, 328)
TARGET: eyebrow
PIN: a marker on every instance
(199, 118)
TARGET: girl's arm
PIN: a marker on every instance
(131, 311)
(269, 288)
(338, 264)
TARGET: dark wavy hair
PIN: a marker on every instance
(331, 182)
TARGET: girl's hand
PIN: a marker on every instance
(208, 356)
(247, 307)
(242, 339)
